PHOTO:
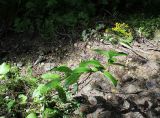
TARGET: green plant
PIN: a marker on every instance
(32, 115)
(121, 34)
(49, 95)
(144, 26)
(60, 82)
(14, 89)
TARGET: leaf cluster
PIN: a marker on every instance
(50, 94)
(121, 33)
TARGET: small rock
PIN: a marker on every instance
(142, 100)
(86, 89)
(137, 115)
(92, 100)
(48, 66)
(19, 64)
(84, 108)
(89, 43)
(150, 104)
(151, 84)
(156, 92)
(126, 79)
(39, 60)
(132, 89)
(148, 70)
(109, 97)
(75, 45)
(101, 40)
(82, 54)
(88, 46)
(126, 105)
(41, 64)
(157, 110)
(100, 113)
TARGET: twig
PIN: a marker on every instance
(118, 92)
(158, 50)
(86, 79)
(134, 51)
(131, 49)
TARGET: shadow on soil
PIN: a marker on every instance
(24, 47)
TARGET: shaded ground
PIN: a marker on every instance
(138, 91)
(26, 48)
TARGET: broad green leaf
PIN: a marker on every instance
(81, 70)
(103, 52)
(50, 76)
(3, 89)
(4, 68)
(23, 99)
(10, 104)
(52, 84)
(32, 115)
(94, 63)
(61, 93)
(39, 91)
(95, 69)
(110, 77)
(64, 69)
(73, 78)
(31, 81)
(50, 113)
(112, 60)
(75, 87)
(111, 53)
(2, 76)
(44, 88)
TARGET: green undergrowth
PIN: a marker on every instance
(125, 30)
(144, 26)
(50, 95)
(120, 33)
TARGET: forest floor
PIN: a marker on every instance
(137, 94)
